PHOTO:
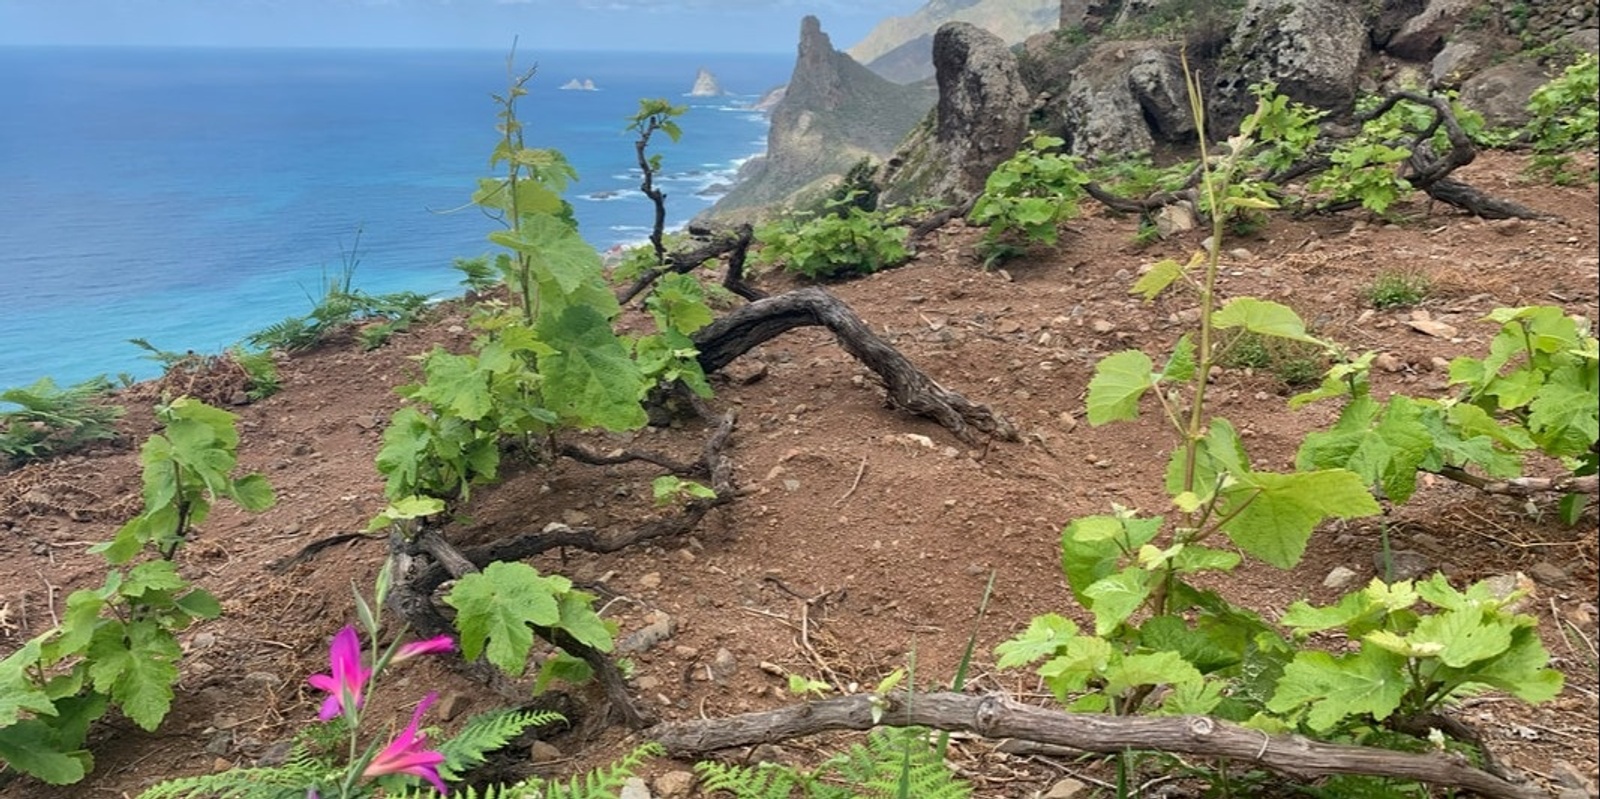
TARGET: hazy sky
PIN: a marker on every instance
(695, 25)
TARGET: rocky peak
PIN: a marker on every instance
(705, 85)
(834, 112)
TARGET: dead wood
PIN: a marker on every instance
(998, 717)
(938, 219)
(735, 244)
(909, 388)
(1525, 486)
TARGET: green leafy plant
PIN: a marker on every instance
(1398, 289)
(889, 763)
(843, 242)
(1565, 117)
(1153, 625)
(51, 421)
(116, 644)
(1410, 664)
(1027, 197)
(498, 608)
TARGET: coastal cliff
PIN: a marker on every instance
(901, 48)
(833, 113)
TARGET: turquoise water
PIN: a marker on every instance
(192, 197)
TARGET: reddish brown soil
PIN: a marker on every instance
(888, 524)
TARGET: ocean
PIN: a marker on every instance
(194, 196)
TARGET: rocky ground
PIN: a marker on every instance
(864, 536)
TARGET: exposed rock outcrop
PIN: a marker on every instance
(981, 118)
(833, 113)
(1125, 97)
(901, 48)
(1312, 49)
(705, 85)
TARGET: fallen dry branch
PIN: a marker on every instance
(998, 717)
(909, 388)
(1525, 486)
(734, 244)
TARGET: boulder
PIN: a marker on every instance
(1386, 17)
(980, 120)
(1125, 97)
(1312, 49)
(1422, 36)
(1501, 92)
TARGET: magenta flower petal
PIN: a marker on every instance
(348, 678)
(406, 755)
(431, 646)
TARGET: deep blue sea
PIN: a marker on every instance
(194, 196)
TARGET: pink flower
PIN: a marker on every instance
(348, 678)
(431, 646)
(405, 755)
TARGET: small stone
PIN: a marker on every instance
(451, 705)
(1439, 364)
(950, 452)
(1366, 316)
(1433, 328)
(261, 681)
(276, 754)
(1425, 541)
(686, 652)
(574, 518)
(1241, 254)
(674, 783)
(791, 485)
(1065, 789)
(648, 683)
(1403, 564)
(1548, 573)
(635, 788)
(650, 581)
(723, 664)
(221, 764)
(1338, 578)
(658, 627)
(1102, 326)
(1388, 362)
(544, 752)
(202, 641)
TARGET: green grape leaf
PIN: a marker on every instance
(1113, 599)
(456, 385)
(1083, 657)
(154, 575)
(1263, 317)
(1153, 668)
(592, 381)
(1119, 381)
(1161, 275)
(1180, 365)
(579, 619)
(1192, 699)
(1274, 514)
(253, 493)
(1465, 636)
(17, 689)
(1520, 670)
(1046, 634)
(495, 606)
(136, 665)
(28, 747)
(1172, 634)
(1369, 683)
(200, 604)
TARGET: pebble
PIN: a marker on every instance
(1338, 578)
(723, 664)
(658, 627)
(1548, 573)
(1065, 789)
(674, 784)
(1404, 564)
(634, 788)
(544, 752)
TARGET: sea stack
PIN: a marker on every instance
(705, 85)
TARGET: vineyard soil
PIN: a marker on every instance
(863, 537)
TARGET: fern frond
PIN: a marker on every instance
(605, 781)
(484, 733)
(762, 781)
(896, 762)
(288, 781)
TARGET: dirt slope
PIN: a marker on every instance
(864, 535)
